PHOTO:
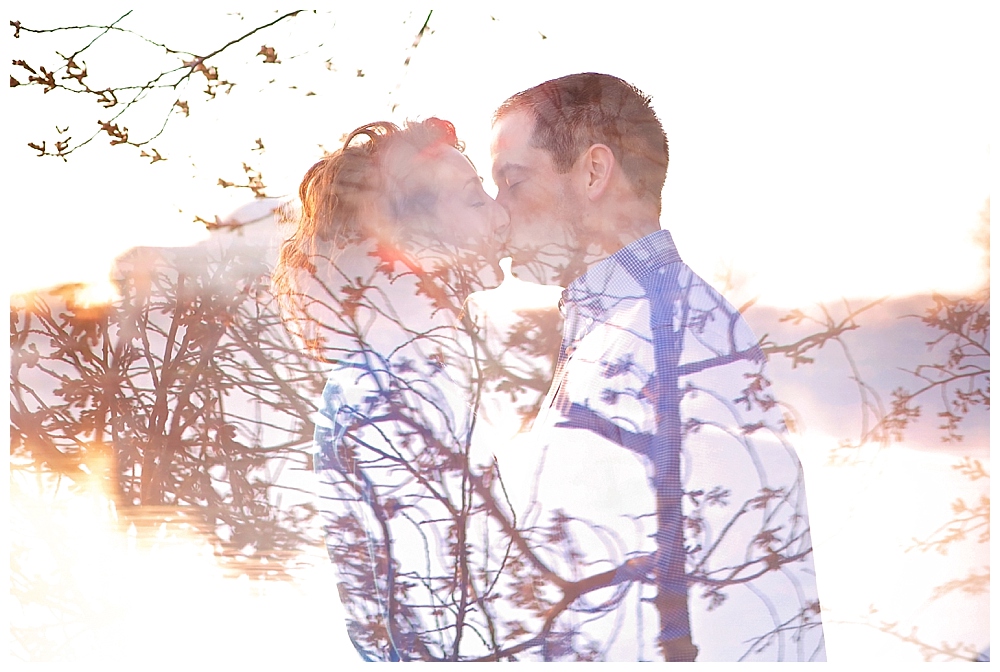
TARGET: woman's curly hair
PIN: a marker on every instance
(348, 196)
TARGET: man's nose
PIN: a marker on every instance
(501, 223)
(502, 197)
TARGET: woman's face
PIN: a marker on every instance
(461, 213)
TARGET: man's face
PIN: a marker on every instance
(544, 209)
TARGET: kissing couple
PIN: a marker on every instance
(609, 479)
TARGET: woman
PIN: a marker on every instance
(395, 232)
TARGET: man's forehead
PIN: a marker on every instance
(512, 131)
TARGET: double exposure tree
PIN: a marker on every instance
(944, 394)
(450, 546)
(186, 399)
(187, 392)
(170, 72)
(190, 398)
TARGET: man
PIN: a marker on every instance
(660, 510)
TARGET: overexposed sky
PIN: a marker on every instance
(817, 151)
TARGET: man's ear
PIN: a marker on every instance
(598, 166)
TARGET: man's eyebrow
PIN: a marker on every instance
(502, 171)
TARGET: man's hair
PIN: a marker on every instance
(576, 111)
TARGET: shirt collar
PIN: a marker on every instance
(608, 280)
